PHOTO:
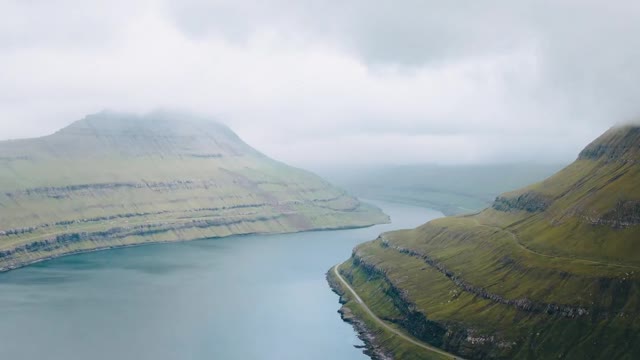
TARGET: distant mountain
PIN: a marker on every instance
(115, 179)
(548, 271)
(450, 189)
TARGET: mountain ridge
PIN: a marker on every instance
(617, 144)
(549, 270)
(132, 134)
(124, 179)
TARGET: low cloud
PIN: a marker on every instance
(334, 82)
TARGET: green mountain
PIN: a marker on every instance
(113, 180)
(548, 271)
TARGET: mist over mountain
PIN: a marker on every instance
(415, 82)
(450, 189)
(509, 129)
(552, 268)
(115, 179)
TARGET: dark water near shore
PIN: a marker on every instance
(249, 297)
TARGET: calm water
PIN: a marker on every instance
(251, 297)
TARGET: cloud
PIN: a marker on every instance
(328, 82)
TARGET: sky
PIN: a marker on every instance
(334, 82)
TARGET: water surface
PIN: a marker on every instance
(243, 297)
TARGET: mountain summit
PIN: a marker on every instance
(155, 124)
(548, 271)
(114, 179)
(154, 134)
(620, 143)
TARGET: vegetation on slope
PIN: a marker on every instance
(549, 271)
(117, 179)
(381, 343)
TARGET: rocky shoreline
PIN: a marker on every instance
(372, 347)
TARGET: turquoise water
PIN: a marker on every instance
(246, 297)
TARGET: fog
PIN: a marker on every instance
(332, 82)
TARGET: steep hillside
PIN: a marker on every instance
(118, 179)
(549, 271)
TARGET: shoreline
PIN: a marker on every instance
(5, 269)
(370, 330)
(371, 347)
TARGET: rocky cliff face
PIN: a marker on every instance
(119, 179)
(529, 201)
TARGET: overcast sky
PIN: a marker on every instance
(334, 81)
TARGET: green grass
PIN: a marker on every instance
(490, 278)
(442, 301)
(397, 347)
(113, 171)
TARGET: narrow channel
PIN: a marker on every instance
(246, 297)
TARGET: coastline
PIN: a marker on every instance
(382, 340)
(372, 347)
(19, 265)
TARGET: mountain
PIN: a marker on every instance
(548, 271)
(115, 179)
(450, 189)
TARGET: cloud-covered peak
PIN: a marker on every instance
(331, 81)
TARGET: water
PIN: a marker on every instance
(247, 297)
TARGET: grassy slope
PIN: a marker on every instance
(114, 179)
(552, 271)
(385, 343)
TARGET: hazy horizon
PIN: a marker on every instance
(334, 83)
(328, 168)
